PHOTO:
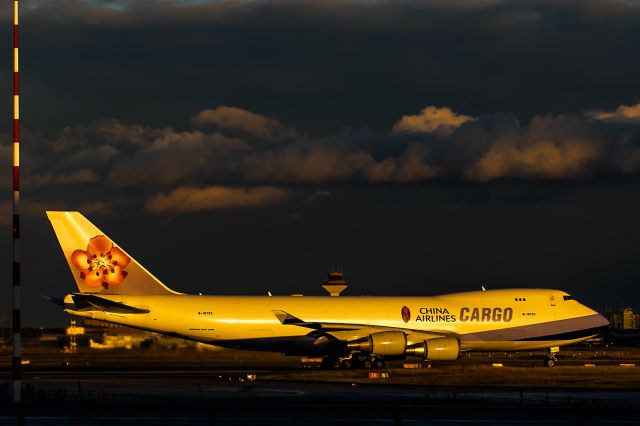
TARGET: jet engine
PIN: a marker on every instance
(437, 349)
(394, 343)
(385, 343)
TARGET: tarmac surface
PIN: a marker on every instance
(229, 397)
(190, 388)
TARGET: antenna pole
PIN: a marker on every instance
(16, 375)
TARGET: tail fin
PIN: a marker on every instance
(98, 265)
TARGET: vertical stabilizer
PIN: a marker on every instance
(97, 263)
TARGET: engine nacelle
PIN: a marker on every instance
(442, 349)
(394, 343)
(385, 343)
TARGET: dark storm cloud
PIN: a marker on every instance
(181, 157)
(190, 200)
(323, 65)
(249, 123)
(185, 169)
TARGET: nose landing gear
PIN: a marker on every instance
(550, 360)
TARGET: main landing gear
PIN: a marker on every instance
(353, 362)
(550, 360)
(373, 363)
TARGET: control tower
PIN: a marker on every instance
(335, 283)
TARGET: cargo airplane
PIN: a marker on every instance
(344, 331)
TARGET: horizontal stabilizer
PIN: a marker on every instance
(54, 300)
(90, 302)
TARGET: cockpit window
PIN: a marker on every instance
(567, 297)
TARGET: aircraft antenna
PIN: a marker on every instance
(16, 376)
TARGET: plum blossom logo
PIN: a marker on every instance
(101, 264)
(406, 314)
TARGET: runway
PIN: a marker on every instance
(321, 416)
(236, 385)
(228, 397)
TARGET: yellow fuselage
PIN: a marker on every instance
(515, 319)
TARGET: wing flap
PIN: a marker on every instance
(90, 302)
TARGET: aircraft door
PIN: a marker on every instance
(552, 304)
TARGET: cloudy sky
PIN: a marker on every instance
(240, 147)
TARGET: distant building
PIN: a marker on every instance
(617, 320)
(623, 319)
(614, 317)
(628, 319)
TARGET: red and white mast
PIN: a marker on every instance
(16, 375)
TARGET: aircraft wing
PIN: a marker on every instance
(287, 319)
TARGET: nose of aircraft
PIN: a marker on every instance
(597, 319)
(602, 321)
